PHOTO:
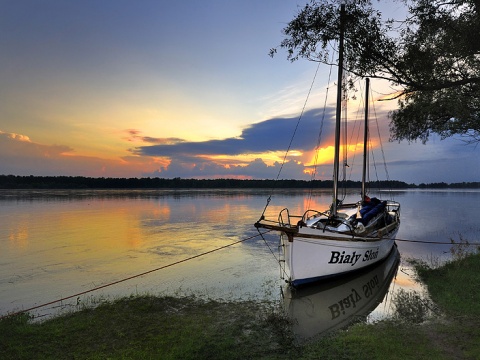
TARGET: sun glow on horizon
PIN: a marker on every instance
(325, 155)
(269, 158)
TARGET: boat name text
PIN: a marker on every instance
(338, 257)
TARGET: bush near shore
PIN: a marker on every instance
(148, 327)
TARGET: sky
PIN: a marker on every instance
(127, 88)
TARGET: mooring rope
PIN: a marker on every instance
(197, 256)
(283, 273)
(130, 277)
(451, 243)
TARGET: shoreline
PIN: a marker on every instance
(192, 328)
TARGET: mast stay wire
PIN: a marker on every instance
(357, 128)
(320, 132)
(354, 133)
(352, 141)
(370, 146)
(381, 143)
(345, 136)
(291, 139)
(387, 175)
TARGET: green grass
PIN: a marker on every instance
(385, 340)
(148, 327)
(454, 289)
(454, 286)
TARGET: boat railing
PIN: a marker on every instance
(328, 220)
(311, 214)
(285, 219)
(393, 206)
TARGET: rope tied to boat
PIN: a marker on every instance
(283, 272)
(129, 278)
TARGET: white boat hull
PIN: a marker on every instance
(332, 305)
(311, 259)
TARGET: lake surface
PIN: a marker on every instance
(58, 243)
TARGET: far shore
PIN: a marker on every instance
(81, 182)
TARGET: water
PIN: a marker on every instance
(58, 243)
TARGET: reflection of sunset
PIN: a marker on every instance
(313, 203)
(107, 226)
(18, 235)
(161, 212)
(407, 281)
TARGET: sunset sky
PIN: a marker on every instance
(126, 88)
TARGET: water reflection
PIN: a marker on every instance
(319, 309)
(55, 243)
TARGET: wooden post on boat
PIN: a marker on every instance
(365, 141)
(336, 160)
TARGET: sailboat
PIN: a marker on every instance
(346, 237)
(332, 305)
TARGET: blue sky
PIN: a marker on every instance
(123, 88)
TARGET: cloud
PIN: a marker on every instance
(19, 155)
(267, 136)
(448, 160)
(134, 135)
(256, 169)
(15, 145)
(244, 156)
(257, 153)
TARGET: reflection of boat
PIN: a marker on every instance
(345, 237)
(333, 305)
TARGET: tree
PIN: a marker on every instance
(433, 56)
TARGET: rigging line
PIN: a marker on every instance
(436, 242)
(133, 276)
(372, 153)
(320, 133)
(379, 140)
(291, 139)
(277, 259)
(356, 131)
(381, 144)
(387, 175)
(298, 121)
(390, 291)
(345, 136)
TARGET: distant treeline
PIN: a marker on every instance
(80, 182)
(442, 185)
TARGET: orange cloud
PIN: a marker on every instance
(19, 155)
(134, 135)
(14, 136)
(269, 158)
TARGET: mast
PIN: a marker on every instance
(336, 159)
(365, 140)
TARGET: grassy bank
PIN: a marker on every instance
(453, 333)
(150, 328)
(187, 328)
